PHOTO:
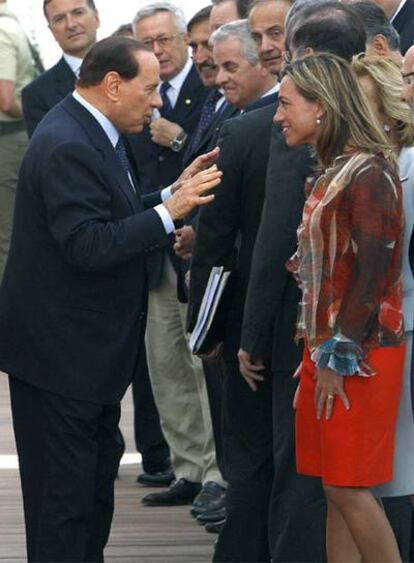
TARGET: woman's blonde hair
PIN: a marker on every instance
(387, 78)
(348, 119)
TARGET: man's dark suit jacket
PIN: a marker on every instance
(41, 95)
(404, 24)
(272, 299)
(233, 218)
(158, 166)
(74, 293)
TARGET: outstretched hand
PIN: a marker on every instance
(192, 192)
(201, 163)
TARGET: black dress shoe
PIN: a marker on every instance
(212, 516)
(211, 497)
(180, 492)
(158, 479)
(215, 527)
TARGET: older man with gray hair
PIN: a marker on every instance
(177, 378)
(241, 76)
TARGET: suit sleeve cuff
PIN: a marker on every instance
(165, 218)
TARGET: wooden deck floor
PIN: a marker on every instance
(139, 534)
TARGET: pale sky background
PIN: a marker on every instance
(112, 13)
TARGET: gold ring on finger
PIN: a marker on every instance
(330, 397)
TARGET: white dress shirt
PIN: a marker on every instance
(74, 63)
(113, 136)
(176, 84)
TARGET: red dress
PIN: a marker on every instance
(348, 266)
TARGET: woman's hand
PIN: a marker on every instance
(329, 385)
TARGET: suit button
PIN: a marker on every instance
(161, 158)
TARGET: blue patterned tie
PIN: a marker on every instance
(166, 104)
(121, 151)
(207, 113)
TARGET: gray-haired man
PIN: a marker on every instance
(177, 379)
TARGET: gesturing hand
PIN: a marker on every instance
(192, 193)
(200, 163)
(329, 385)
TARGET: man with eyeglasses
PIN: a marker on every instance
(177, 378)
(74, 24)
(408, 76)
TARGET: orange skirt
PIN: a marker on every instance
(354, 448)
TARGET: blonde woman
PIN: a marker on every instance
(348, 265)
(382, 82)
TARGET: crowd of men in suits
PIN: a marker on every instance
(103, 284)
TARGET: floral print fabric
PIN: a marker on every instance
(348, 262)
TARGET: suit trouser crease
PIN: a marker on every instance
(69, 453)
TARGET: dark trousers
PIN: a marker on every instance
(149, 439)
(69, 453)
(272, 511)
(297, 511)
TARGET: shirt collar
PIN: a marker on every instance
(104, 122)
(398, 10)
(74, 63)
(273, 90)
(179, 79)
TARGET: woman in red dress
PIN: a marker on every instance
(348, 265)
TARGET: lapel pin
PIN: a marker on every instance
(187, 102)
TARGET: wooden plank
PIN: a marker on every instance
(139, 534)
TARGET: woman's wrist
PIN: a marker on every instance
(343, 356)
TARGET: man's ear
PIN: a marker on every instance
(187, 38)
(309, 51)
(111, 84)
(380, 46)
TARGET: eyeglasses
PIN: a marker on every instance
(163, 41)
(407, 78)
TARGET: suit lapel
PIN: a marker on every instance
(402, 16)
(100, 141)
(188, 96)
(64, 78)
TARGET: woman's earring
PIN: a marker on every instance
(318, 121)
(387, 128)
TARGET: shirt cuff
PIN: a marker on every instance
(166, 194)
(165, 218)
(343, 356)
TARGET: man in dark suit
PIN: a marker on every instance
(74, 295)
(225, 237)
(401, 15)
(74, 24)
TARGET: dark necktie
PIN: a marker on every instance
(121, 151)
(206, 117)
(166, 104)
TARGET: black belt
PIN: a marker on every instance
(7, 127)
